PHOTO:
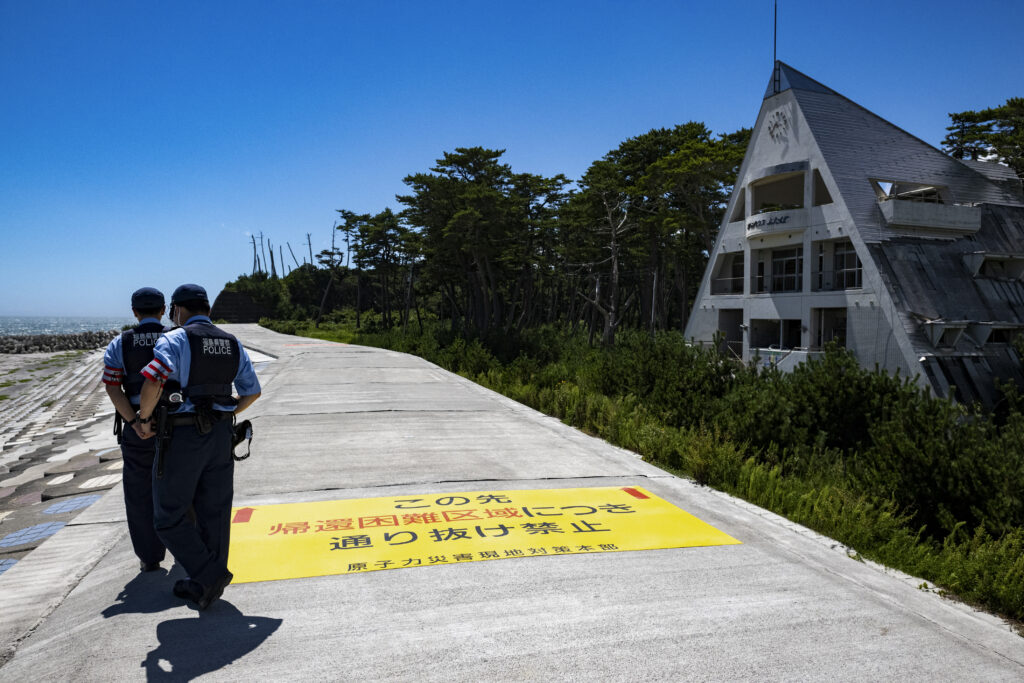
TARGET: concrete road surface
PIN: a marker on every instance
(341, 422)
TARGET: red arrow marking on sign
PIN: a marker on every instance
(636, 494)
(243, 515)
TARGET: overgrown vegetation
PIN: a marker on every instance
(920, 484)
(570, 296)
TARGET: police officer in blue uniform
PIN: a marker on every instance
(123, 362)
(194, 464)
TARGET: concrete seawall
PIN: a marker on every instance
(347, 423)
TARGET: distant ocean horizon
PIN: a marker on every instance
(39, 324)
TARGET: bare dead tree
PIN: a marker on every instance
(616, 216)
(292, 253)
(255, 256)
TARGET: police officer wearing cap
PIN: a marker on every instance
(123, 362)
(196, 468)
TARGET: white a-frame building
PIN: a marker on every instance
(843, 227)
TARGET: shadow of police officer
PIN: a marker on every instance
(140, 596)
(189, 648)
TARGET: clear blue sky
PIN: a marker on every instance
(142, 142)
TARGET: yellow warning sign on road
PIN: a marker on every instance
(296, 540)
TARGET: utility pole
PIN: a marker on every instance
(309, 242)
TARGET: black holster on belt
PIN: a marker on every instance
(205, 417)
(163, 438)
(118, 426)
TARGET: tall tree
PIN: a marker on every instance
(481, 225)
(655, 202)
(604, 206)
(996, 131)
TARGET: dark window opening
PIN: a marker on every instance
(729, 279)
(821, 193)
(828, 325)
(791, 331)
(778, 193)
(911, 192)
(1003, 336)
(730, 324)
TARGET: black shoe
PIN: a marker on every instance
(187, 589)
(148, 566)
(214, 591)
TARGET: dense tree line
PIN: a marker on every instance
(493, 251)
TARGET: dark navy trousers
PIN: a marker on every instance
(198, 471)
(137, 479)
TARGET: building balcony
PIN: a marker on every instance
(785, 360)
(727, 285)
(954, 218)
(772, 222)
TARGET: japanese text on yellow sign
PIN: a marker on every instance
(296, 540)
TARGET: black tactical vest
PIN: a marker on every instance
(137, 352)
(213, 366)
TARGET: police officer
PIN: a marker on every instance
(123, 362)
(195, 466)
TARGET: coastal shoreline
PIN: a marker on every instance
(48, 343)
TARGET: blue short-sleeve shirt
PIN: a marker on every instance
(113, 361)
(172, 358)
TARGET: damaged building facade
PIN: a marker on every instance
(842, 227)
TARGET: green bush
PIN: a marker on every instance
(920, 484)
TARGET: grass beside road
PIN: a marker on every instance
(922, 485)
(21, 372)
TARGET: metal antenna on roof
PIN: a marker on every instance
(775, 60)
(774, 48)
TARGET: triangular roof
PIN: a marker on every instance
(858, 145)
(785, 77)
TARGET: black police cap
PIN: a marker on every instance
(147, 298)
(188, 293)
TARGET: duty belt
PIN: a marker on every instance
(182, 419)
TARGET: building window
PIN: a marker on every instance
(787, 270)
(910, 192)
(848, 272)
(828, 325)
(1003, 336)
(776, 334)
(729, 279)
(778, 193)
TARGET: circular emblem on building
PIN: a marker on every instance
(778, 125)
